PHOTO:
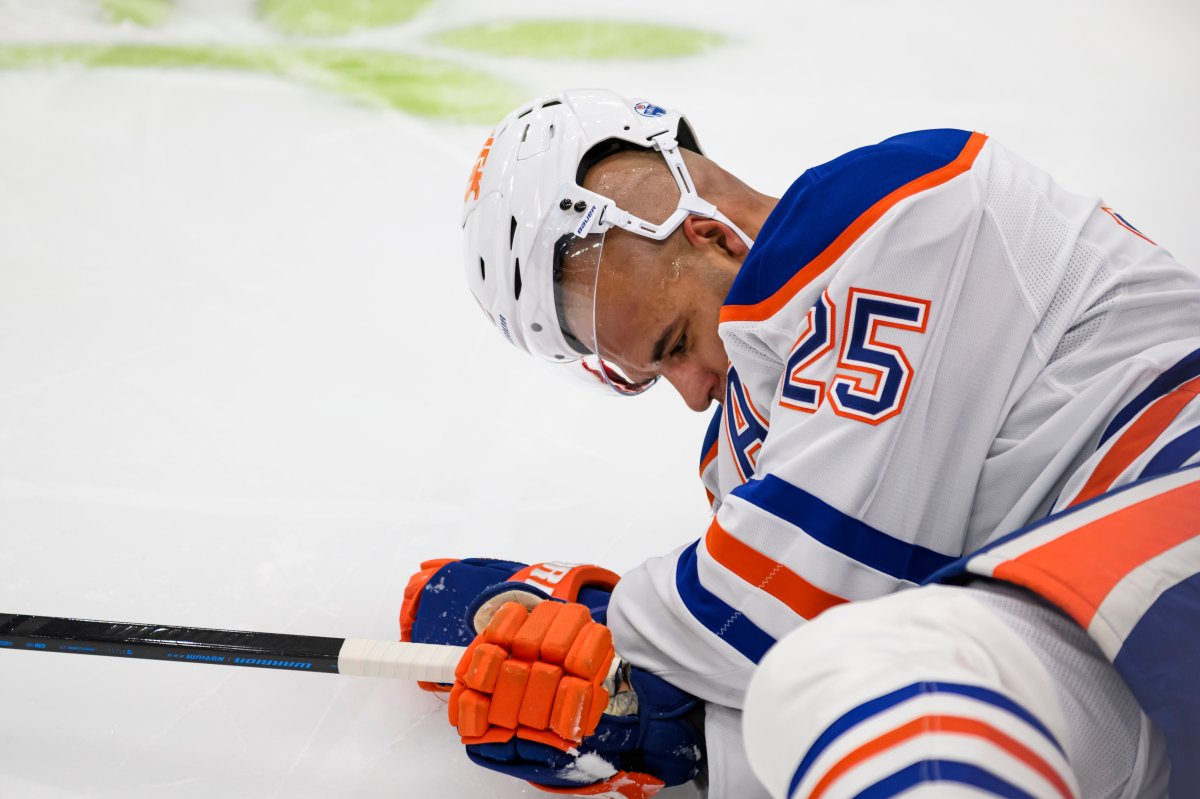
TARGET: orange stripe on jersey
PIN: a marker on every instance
(1136, 439)
(814, 268)
(708, 458)
(804, 598)
(1120, 220)
(936, 725)
(1077, 570)
(704, 464)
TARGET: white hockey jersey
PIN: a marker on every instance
(927, 340)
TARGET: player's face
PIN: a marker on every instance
(660, 319)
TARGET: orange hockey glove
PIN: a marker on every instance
(537, 674)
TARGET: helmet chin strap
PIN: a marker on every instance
(690, 203)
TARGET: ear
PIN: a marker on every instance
(704, 232)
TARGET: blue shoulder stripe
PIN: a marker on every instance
(826, 200)
(841, 532)
(926, 771)
(1168, 381)
(721, 619)
(880, 704)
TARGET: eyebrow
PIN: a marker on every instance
(660, 346)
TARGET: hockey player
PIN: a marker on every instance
(923, 346)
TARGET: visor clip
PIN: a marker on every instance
(580, 206)
(565, 204)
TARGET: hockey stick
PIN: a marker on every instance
(355, 656)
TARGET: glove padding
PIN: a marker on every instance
(438, 597)
(534, 673)
(540, 695)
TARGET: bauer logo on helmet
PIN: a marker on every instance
(585, 224)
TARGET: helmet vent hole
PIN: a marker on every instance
(516, 278)
(512, 231)
(482, 270)
(551, 103)
(525, 134)
(552, 131)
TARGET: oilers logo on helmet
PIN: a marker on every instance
(649, 109)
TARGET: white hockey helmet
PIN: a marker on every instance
(526, 213)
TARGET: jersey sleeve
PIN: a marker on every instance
(874, 351)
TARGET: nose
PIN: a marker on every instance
(695, 384)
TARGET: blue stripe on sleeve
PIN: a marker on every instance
(720, 618)
(826, 200)
(1175, 454)
(880, 704)
(1165, 383)
(927, 771)
(841, 532)
(954, 572)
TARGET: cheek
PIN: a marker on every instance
(712, 354)
(712, 349)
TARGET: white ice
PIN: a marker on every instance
(242, 383)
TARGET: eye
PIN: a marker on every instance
(680, 346)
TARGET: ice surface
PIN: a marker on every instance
(243, 385)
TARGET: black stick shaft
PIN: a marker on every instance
(177, 644)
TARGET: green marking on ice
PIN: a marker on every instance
(417, 85)
(335, 17)
(580, 39)
(146, 13)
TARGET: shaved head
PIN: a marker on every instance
(640, 182)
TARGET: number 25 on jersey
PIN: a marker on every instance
(872, 376)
